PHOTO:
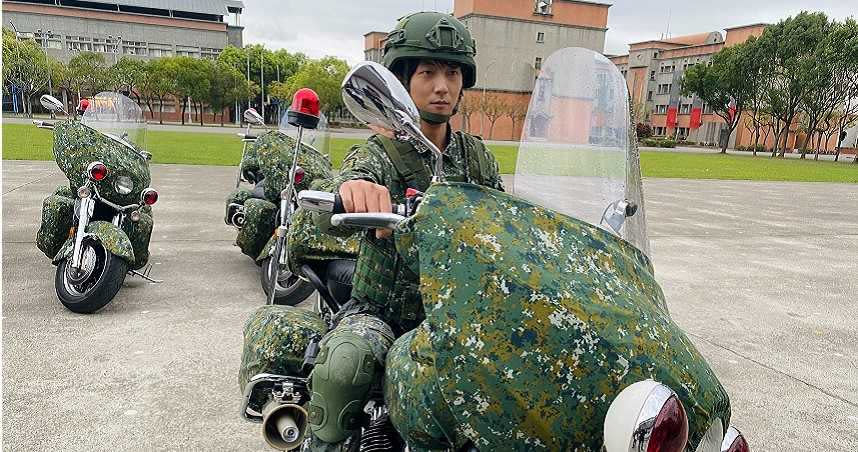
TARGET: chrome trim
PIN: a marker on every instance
(317, 201)
(87, 206)
(368, 220)
(290, 391)
(730, 437)
(143, 194)
(655, 401)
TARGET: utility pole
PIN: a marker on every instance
(262, 81)
(247, 52)
(278, 81)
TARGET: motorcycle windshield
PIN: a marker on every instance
(577, 154)
(118, 117)
(318, 138)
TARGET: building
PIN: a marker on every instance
(142, 29)
(513, 38)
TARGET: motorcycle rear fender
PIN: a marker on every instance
(114, 240)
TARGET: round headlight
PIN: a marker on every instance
(123, 185)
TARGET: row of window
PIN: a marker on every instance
(681, 132)
(684, 109)
(117, 45)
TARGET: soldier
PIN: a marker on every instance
(432, 54)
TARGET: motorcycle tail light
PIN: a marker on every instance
(299, 175)
(97, 171)
(734, 441)
(305, 101)
(646, 416)
(149, 196)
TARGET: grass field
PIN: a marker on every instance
(25, 142)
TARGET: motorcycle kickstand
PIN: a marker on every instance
(145, 274)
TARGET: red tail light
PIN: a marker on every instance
(305, 101)
(97, 171)
(734, 441)
(299, 175)
(670, 431)
(150, 196)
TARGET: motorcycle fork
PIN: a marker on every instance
(85, 210)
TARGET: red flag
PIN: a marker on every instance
(696, 117)
(731, 112)
(671, 116)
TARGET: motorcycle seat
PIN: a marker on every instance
(258, 191)
(338, 275)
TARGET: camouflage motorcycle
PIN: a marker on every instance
(97, 228)
(270, 207)
(544, 326)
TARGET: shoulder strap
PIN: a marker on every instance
(407, 162)
(475, 154)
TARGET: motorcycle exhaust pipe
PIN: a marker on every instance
(283, 425)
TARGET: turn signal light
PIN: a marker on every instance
(646, 416)
(97, 171)
(150, 196)
(299, 175)
(734, 441)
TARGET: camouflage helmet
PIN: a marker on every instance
(435, 36)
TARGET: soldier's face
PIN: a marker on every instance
(435, 87)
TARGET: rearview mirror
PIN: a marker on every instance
(51, 103)
(251, 116)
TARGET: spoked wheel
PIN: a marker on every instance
(93, 286)
(289, 288)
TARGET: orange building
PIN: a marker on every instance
(513, 38)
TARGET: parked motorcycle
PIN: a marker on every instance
(545, 327)
(97, 229)
(267, 162)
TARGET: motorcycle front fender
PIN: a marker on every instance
(111, 237)
(268, 249)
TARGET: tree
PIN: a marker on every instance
(88, 74)
(126, 75)
(517, 111)
(494, 106)
(192, 82)
(467, 105)
(161, 82)
(820, 97)
(788, 49)
(25, 65)
(723, 84)
(323, 76)
(227, 86)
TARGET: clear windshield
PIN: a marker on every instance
(117, 117)
(319, 138)
(576, 155)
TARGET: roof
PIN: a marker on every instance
(761, 24)
(689, 40)
(216, 7)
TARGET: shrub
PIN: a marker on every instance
(644, 130)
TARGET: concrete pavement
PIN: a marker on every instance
(760, 275)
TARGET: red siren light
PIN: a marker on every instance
(306, 101)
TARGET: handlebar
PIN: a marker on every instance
(322, 201)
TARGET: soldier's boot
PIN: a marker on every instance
(344, 370)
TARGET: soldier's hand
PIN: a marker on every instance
(360, 196)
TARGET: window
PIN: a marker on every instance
(652, 75)
(540, 37)
(79, 43)
(160, 50)
(664, 88)
(667, 69)
(686, 66)
(685, 109)
(134, 48)
(188, 51)
(538, 63)
(682, 132)
(649, 95)
(543, 7)
(661, 109)
(210, 54)
(659, 131)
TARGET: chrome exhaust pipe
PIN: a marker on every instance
(283, 425)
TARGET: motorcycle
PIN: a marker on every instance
(96, 229)
(307, 260)
(544, 326)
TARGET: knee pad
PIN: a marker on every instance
(344, 371)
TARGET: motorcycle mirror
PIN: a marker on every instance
(51, 103)
(251, 116)
(375, 96)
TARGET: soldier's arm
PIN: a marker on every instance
(363, 162)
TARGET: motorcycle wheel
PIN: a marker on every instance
(95, 285)
(289, 289)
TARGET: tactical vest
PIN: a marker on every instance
(380, 279)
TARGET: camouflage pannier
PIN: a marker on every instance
(275, 338)
(308, 243)
(57, 221)
(259, 222)
(140, 233)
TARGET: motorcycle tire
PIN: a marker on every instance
(290, 290)
(97, 289)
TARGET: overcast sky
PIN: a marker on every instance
(336, 27)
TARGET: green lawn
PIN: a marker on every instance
(25, 142)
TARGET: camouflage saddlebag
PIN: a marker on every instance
(259, 221)
(139, 233)
(275, 338)
(57, 221)
(236, 198)
(308, 243)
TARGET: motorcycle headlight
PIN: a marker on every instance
(123, 185)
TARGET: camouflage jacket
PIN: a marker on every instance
(382, 286)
